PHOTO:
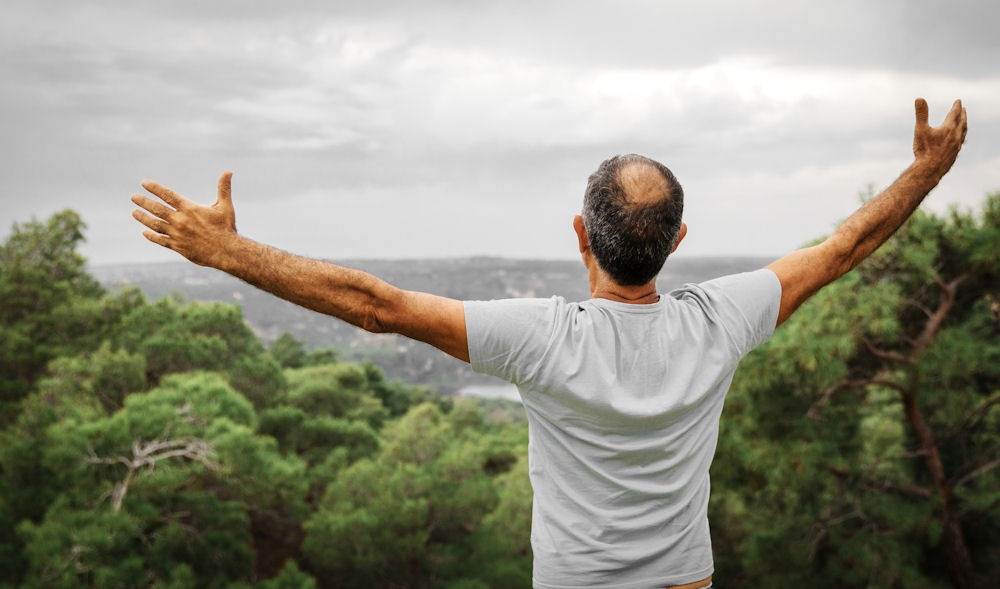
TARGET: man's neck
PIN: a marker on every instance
(603, 287)
(637, 299)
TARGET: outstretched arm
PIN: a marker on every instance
(802, 273)
(207, 236)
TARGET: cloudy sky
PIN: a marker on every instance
(454, 128)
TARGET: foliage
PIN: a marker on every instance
(409, 516)
(161, 444)
(859, 447)
(47, 301)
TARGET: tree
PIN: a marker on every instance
(289, 352)
(337, 390)
(46, 301)
(412, 515)
(504, 547)
(167, 487)
(77, 390)
(177, 337)
(206, 479)
(867, 427)
(313, 437)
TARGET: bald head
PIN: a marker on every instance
(632, 212)
(643, 182)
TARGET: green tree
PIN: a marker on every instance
(398, 397)
(289, 352)
(313, 437)
(167, 487)
(105, 483)
(45, 296)
(504, 546)
(412, 516)
(76, 391)
(861, 443)
(338, 390)
(291, 577)
(176, 337)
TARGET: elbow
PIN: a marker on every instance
(379, 311)
(373, 321)
(842, 256)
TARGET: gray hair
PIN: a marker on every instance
(631, 240)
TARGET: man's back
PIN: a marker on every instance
(623, 405)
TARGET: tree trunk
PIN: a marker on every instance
(956, 553)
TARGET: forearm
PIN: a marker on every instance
(354, 296)
(879, 218)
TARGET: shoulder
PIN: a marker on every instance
(745, 305)
(513, 316)
(513, 311)
(506, 337)
(762, 283)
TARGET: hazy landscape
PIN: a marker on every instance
(149, 440)
(462, 278)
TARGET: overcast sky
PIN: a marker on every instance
(455, 128)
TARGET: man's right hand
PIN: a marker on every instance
(200, 233)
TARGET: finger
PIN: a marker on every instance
(920, 106)
(225, 196)
(169, 196)
(157, 238)
(955, 114)
(153, 207)
(157, 225)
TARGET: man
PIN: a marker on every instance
(624, 391)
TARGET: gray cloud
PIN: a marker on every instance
(388, 129)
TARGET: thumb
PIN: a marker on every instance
(920, 105)
(225, 196)
(224, 200)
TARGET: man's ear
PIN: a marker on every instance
(581, 234)
(680, 236)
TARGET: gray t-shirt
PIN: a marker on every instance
(623, 404)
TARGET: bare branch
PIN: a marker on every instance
(885, 484)
(884, 354)
(909, 455)
(94, 459)
(825, 397)
(920, 306)
(983, 408)
(148, 454)
(973, 416)
(936, 320)
(880, 379)
(978, 472)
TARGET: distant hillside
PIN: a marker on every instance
(461, 278)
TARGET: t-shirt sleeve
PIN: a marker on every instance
(507, 337)
(745, 305)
